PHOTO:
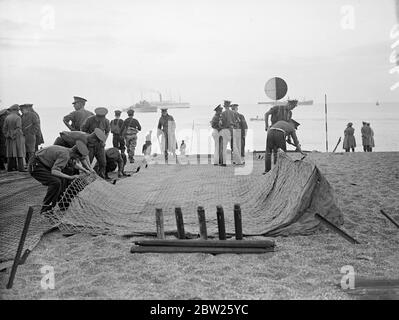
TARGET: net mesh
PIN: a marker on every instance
(282, 202)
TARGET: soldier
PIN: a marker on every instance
(30, 129)
(92, 140)
(15, 141)
(216, 125)
(78, 116)
(147, 145)
(242, 127)
(46, 166)
(228, 132)
(114, 159)
(3, 148)
(129, 132)
(276, 138)
(39, 134)
(279, 113)
(116, 129)
(166, 129)
(101, 122)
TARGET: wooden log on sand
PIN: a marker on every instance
(202, 223)
(221, 225)
(159, 249)
(179, 223)
(208, 243)
(159, 223)
(389, 218)
(238, 221)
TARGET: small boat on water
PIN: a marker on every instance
(257, 119)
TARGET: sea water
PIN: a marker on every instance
(193, 125)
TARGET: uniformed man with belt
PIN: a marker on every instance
(92, 140)
(30, 129)
(276, 139)
(114, 160)
(216, 124)
(279, 113)
(229, 121)
(47, 166)
(75, 119)
(101, 122)
(242, 127)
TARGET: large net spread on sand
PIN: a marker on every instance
(282, 202)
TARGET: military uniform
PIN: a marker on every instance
(114, 159)
(15, 141)
(229, 134)
(30, 129)
(47, 160)
(276, 136)
(216, 124)
(39, 134)
(77, 117)
(130, 129)
(91, 123)
(3, 148)
(166, 128)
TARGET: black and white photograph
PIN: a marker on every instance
(198, 156)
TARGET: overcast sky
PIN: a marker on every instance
(204, 51)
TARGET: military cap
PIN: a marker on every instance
(117, 112)
(14, 107)
(226, 103)
(350, 124)
(296, 124)
(82, 148)
(101, 111)
(26, 105)
(164, 109)
(130, 111)
(219, 107)
(78, 99)
(234, 106)
(100, 134)
(113, 153)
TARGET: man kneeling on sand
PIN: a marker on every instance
(276, 139)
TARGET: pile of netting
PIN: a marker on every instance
(282, 202)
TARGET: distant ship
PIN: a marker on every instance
(257, 119)
(144, 106)
(170, 104)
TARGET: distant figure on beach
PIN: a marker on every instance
(147, 145)
(114, 160)
(230, 134)
(242, 126)
(130, 128)
(183, 148)
(367, 137)
(3, 148)
(47, 166)
(167, 132)
(349, 140)
(279, 113)
(216, 124)
(276, 139)
(101, 122)
(15, 140)
(93, 141)
(30, 129)
(76, 118)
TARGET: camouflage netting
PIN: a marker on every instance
(282, 202)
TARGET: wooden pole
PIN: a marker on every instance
(159, 223)
(339, 141)
(150, 249)
(334, 228)
(238, 221)
(202, 223)
(207, 243)
(179, 223)
(221, 224)
(325, 112)
(20, 247)
(390, 218)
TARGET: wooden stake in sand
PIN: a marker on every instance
(238, 221)
(17, 259)
(339, 141)
(325, 114)
(334, 228)
(390, 218)
(202, 223)
(179, 223)
(221, 225)
(159, 222)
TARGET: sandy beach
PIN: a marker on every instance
(302, 267)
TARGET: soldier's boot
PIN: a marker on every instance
(11, 164)
(21, 167)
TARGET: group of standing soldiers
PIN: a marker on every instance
(20, 136)
(229, 127)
